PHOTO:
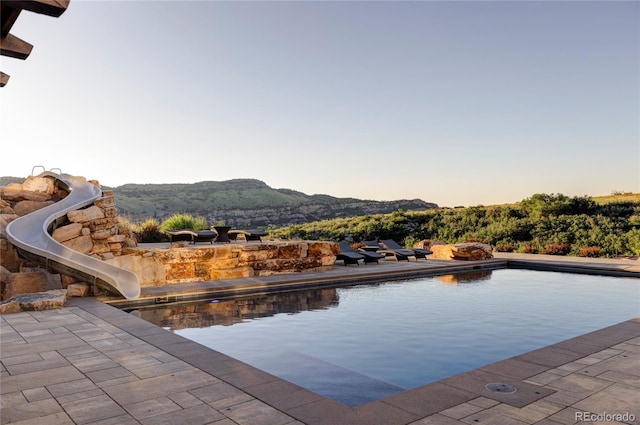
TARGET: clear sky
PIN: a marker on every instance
(452, 102)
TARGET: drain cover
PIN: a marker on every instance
(501, 388)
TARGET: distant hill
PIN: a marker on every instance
(245, 203)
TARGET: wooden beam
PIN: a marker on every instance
(13, 47)
(4, 79)
(8, 15)
(45, 7)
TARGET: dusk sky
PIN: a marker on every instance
(452, 102)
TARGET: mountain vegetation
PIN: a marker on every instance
(544, 223)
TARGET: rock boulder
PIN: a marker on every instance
(464, 251)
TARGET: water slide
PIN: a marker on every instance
(30, 234)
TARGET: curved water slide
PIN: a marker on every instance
(30, 233)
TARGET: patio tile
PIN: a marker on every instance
(26, 411)
(160, 369)
(92, 409)
(196, 415)
(36, 394)
(185, 400)
(37, 379)
(149, 408)
(60, 418)
(256, 412)
(437, 419)
(108, 374)
(492, 417)
(580, 384)
(48, 359)
(462, 410)
(147, 389)
(617, 398)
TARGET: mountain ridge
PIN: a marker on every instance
(243, 203)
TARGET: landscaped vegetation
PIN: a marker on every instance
(544, 223)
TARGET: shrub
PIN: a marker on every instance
(150, 231)
(557, 249)
(505, 247)
(590, 251)
(184, 222)
(529, 248)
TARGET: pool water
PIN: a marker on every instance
(360, 343)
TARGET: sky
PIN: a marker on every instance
(459, 103)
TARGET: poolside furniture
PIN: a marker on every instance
(417, 252)
(349, 256)
(223, 234)
(205, 236)
(180, 235)
(369, 256)
(399, 254)
(249, 235)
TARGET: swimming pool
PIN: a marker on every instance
(360, 343)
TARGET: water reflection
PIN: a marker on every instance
(465, 277)
(229, 312)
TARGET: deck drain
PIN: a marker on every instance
(501, 388)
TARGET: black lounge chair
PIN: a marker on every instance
(180, 235)
(205, 236)
(398, 253)
(249, 235)
(417, 252)
(349, 256)
(369, 256)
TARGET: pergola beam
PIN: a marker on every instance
(13, 47)
(4, 79)
(45, 7)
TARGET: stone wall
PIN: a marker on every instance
(189, 263)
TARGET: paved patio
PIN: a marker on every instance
(91, 363)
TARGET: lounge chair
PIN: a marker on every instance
(205, 236)
(398, 253)
(369, 256)
(249, 235)
(180, 235)
(349, 256)
(417, 252)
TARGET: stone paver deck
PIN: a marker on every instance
(91, 363)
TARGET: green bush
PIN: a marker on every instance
(184, 222)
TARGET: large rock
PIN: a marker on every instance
(24, 283)
(87, 214)
(38, 301)
(9, 255)
(464, 251)
(83, 244)
(38, 184)
(26, 207)
(70, 231)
